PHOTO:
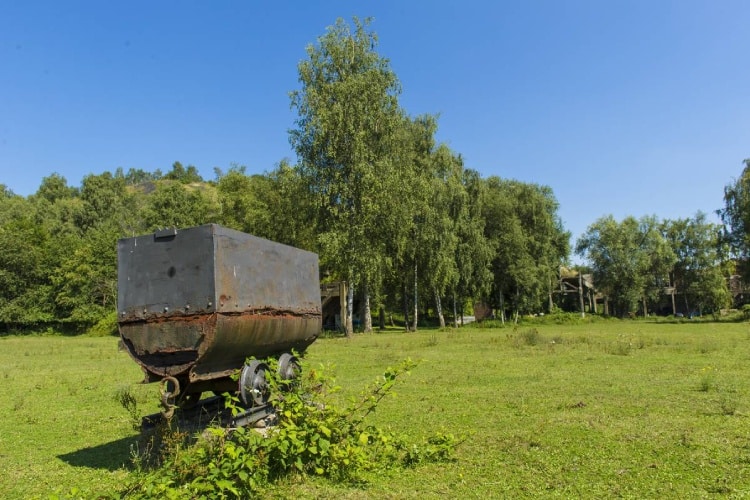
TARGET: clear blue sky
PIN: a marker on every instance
(622, 107)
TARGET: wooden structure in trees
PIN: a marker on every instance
(333, 304)
(739, 291)
(582, 286)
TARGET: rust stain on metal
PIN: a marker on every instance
(193, 318)
(212, 346)
(260, 313)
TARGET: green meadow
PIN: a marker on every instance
(603, 409)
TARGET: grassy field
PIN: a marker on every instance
(629, 408)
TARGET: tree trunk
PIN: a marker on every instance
(580, 293)
(645, 308)
(549, 293)
(455, 312)
(406, 308)
(382, 318)
(366, 311)
(439, 309)
(416, 302)
(502, 308)
(349, 325)
(341, 324)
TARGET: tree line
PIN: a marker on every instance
(395, 214)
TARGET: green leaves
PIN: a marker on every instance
(349, 137)
(312, 437)
(58, 261)
(736, 213)
(630, 259)
(699, 271)
(529, 242)
(176, 205)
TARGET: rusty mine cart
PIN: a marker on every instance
(194, 304)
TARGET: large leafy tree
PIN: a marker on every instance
(700, 269)
(529, 241)
(292, 215)
(473, 250)
(174, 204)
(736, 216)
(54, 188)
(630, 260)
(27, 255)
(439, 240)
(413, 248)
(103, 199)
(85, 280)
(36, 235)
(86, 224)
(183, 175)
(59, 208)
(239, 205)
(345, 137)
(274, 205)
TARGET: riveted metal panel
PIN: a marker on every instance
(254, 275)
(166, 276)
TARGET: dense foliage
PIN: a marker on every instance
(736, 216)
(312, 437)
(631, 259)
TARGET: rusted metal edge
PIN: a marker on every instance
(260, 313)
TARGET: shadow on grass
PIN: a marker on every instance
(111, 456)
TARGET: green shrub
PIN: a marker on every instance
(107, 325)
(623, 346)
(312, 437)
(531, 337)
(708, 379)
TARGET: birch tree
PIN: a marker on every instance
(629, 259)
(440, 237)
(736, 216)
(346, 133)
(529, 243)
(699, 270)
(473, 249)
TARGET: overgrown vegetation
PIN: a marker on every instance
(312, 437)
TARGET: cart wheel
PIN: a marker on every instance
(289, 367)
(253, 384)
